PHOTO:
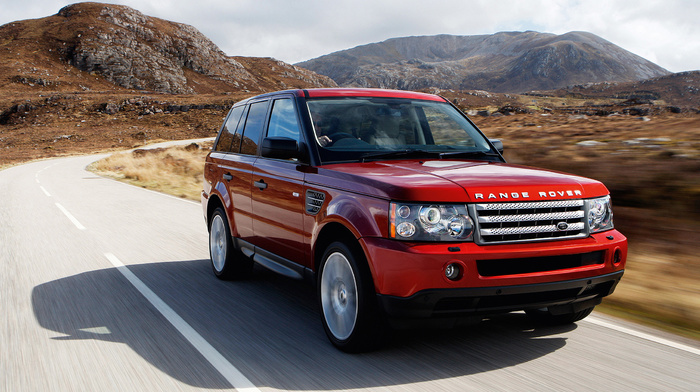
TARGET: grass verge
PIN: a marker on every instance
(176, 170)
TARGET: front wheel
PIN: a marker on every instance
(347, 300)
(543, 316)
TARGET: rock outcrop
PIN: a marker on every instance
(137, 52)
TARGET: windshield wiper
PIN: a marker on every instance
(402, 154)
(455, 154)
(412, 153)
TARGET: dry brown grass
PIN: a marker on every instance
(660, 289)
(660, 286)
(176, 170)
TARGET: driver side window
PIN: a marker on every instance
(283, 120)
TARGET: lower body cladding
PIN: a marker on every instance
(559, 297)
(439, 281)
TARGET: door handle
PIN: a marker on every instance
(228, 176)
(260, 184)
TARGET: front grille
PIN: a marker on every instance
(532, 221)
(504, 267)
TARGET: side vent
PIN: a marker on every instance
(314, 201)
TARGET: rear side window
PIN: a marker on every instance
(227, 133)
(253, 128)
(236, 145)
(283, 120)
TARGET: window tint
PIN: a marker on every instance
(283, 120)
(236, 145)
(447, 128)
(226, 137)
(253, 128)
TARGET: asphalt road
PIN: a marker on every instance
(107, 287)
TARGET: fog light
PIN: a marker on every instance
(617, 257)
(453, 272)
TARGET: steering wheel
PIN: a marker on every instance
(338, 136)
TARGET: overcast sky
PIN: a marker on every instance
(666, 32)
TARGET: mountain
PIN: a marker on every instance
(93, 46)
(502, 62)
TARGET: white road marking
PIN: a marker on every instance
(45, 191)
(230, 373)
(71, 217)
(639, 334)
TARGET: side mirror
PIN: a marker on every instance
(497, 144)
(280, 148)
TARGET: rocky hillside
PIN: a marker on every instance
(93, 46)
(502, 62)
(681, 89)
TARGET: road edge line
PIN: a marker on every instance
(643, 335)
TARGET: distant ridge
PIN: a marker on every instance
(94, 46)
(502, 62)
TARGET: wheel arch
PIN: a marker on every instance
(350, 218)
(329, 233)
(212, 204)
(336, 231)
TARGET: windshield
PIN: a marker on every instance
(354, 129)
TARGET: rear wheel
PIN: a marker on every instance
(226, 261)
(347, 300)
(543, 316)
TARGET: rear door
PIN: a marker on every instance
(277, 191)
(218, 168)
(238, 167)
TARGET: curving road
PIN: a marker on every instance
(107, 287)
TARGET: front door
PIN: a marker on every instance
(277, 191)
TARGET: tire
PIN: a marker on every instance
(543, 316)
(226, 261)
(347, 300)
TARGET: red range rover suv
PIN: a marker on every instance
(398, 209)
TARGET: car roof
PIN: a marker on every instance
(350, 92)
(369, 92)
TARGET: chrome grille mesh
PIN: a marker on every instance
(531, 221)
(532, 217)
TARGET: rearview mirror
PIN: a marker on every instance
(497, 144)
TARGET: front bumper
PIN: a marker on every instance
(410, 278)
(577, 294)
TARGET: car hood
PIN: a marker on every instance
(456, 181)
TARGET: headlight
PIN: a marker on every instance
(600, 215)
(430, 222)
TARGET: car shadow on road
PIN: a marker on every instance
(268, 327)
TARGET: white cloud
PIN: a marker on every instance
(664, 32)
